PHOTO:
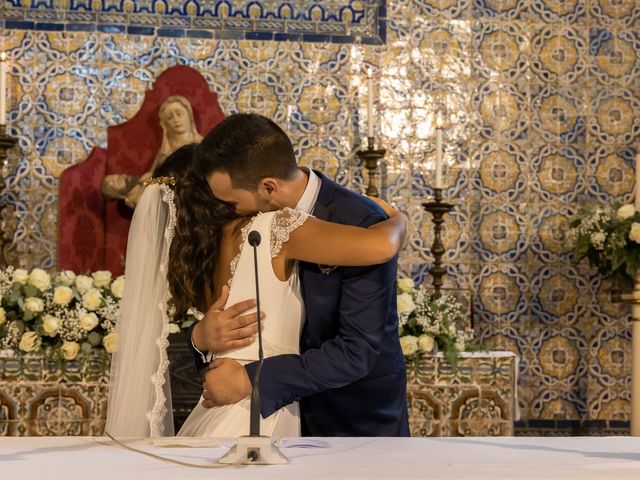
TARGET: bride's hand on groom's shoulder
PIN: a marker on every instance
(225, 382)
(221, 330)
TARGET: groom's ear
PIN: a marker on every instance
(269, 186)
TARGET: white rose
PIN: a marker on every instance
(626, 211)
(20, 276)
(70, 350)
(92, 299)
(409, 345)
(110, 342)
(51, 325)
(30, 342)
(174, 328)
(88, 321)
(40, 279)
(33, 305)
(405, 303)
(117, 287)
(3, 316)
(65, 278)
(634, 233)
(62, 296)
(598, 238)
(83, 283)
(426, 343)
(405, 285)
(101, 278)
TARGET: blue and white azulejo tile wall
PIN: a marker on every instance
(540, 98)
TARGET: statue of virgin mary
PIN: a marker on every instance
(178, 129)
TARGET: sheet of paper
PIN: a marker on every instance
(302, 442)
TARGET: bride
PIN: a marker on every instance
(207, 248)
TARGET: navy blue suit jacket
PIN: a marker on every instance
(350, 375)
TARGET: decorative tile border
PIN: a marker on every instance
(356, 21)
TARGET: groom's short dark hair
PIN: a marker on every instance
(249, 147)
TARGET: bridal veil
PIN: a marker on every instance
(139, 402)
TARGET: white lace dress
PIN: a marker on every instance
(282, 303)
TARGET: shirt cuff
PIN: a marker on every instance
(207, 357)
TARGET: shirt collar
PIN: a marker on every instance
(310, 195)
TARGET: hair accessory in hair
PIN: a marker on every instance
(160, 181)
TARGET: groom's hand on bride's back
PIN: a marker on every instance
(223, 329)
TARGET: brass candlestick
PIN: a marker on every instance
(370, 159)
(6, 143)
(437, 208)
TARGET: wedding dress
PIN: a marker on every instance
(281, 301)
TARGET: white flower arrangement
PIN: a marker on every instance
(65, 313)
(609, 238)
(429, 324)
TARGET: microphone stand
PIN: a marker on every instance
(255, 449)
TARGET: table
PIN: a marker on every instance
(493, 458)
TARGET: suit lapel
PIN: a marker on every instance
(325, 198)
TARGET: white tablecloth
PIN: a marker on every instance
(492, 458)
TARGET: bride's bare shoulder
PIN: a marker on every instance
(233, 229)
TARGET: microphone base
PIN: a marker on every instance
(254, 451)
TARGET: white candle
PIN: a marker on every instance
(3, 89)
(637, 189)
(438, 158)
(369, 104)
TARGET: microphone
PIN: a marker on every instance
(254, 420)
(255, 449)
(254, 240)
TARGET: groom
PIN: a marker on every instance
(349, 377)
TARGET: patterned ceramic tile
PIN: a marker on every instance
(474, 400)
(615, 55)
(567, 11)
(614, 13)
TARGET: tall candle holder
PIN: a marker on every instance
(437, 208)
(370, 158)
(6, 143)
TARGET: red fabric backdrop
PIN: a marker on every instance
(93, 232)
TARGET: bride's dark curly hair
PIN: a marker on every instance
(195, 246)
